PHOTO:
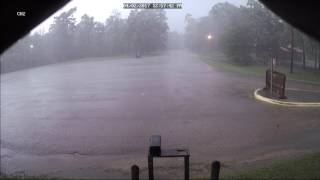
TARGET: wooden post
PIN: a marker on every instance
(150, 167)
(186, 167)
(134, 172)
(215, 170)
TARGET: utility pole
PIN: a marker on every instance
(271, 76)
(292, 45)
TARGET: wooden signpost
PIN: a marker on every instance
(276, 83)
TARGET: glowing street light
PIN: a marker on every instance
(209, 36)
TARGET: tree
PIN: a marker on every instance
(83, 36)
(62, 35)
(237, 42)
(247, 34)
(99, 39)
(191, 33)
(115, 32)
(267, 29)
(147, 30)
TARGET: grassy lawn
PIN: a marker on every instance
(300, 75)
(306, 167)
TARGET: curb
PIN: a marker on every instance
(284, 103)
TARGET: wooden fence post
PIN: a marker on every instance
(215, 170)
(135, 172)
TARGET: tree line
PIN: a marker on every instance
(144, 31)
(251, 34)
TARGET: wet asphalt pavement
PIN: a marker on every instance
(92, 118)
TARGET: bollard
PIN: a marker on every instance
(215, 170)
(135, 172)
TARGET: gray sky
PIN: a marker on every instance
(102, 9)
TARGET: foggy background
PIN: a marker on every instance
(244, 32)
(101, 10)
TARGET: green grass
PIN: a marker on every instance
(306, 167)
(300, 75)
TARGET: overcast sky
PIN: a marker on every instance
(102, 9)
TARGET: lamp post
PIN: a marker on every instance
(209, 38)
